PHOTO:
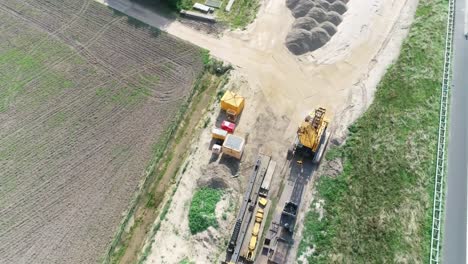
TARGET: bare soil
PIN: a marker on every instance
(86, 93)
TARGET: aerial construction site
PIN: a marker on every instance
(180, 132)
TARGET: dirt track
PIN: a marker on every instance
(84, 97)
(341, 76)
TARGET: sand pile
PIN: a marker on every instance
(316, 21)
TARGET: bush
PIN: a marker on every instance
(202, 209)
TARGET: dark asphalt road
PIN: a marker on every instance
(454, 232)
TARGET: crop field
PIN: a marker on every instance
(85, 93)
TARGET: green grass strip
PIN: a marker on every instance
(378, 210)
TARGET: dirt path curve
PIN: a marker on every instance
(340, 76)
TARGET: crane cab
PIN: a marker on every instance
(312, 136)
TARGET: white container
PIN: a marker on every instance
(216, 149)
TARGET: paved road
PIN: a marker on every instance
(455, 225)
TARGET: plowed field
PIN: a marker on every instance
(84, 96)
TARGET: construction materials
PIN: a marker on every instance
(316, 23)
(202, 8)
(252, 244)
(218, 133)
(312, 136)
(254, 237)
(198, 16)
(256, 229)
(259, 216)
(229, 5)
(246, 213)
(228, 126)
(265, 188)
(233, 146)
(245, 203)
(213, 3)
(233, 104)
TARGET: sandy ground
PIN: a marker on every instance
(341, 76)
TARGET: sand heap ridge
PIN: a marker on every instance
(316, 22)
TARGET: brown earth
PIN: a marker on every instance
(86, 92)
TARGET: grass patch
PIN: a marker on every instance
(202, 209)
(19, 68)
(243, 12)
(186, 261)
(379, 208)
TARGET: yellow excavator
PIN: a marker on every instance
(312, 136)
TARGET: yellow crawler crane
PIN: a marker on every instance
(312, 136)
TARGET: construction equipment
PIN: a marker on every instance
(265, 188)
(233, 104)
(233, 146)
(252, 246)
(246, 201)
(262, 202)
(259, 216)
(218, 133)
(254, 238)
(312, 136)
(228, 126)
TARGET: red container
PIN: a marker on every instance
(228, 126)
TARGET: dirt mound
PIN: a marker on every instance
(306, 23)
(334, 18)
(291, 3)
(338, 7)
(302, 8)
(316, 21)
(298, 40)
(323, 4)
(329, 27)
(318, 14)
(215, 183)
(318, 38)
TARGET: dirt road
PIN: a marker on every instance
(340, 76)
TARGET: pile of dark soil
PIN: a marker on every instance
(316, 21)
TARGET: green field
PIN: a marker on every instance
(378, 210)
